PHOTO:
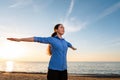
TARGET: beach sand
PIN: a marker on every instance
(38, 76)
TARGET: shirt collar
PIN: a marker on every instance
(59, 38)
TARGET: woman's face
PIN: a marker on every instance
(60, 29)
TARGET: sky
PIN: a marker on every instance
(92, 26)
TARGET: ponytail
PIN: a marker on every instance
(53, 35)
(49, 46)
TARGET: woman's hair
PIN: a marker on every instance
(53, 35)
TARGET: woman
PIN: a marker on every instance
(57, 69)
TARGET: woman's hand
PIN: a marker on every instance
(30, 39)
(74, 48)
(14, 39)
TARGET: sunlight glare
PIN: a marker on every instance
(9, 66)
(12, 50)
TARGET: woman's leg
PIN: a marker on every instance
(64, 75)
(53, 75)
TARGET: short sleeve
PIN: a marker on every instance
(46, 40)
(69, 44)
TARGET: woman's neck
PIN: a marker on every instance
(60, 36)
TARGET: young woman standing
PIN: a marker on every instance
(58, 46)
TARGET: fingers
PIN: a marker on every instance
(75, 49)
(13, 39)
(10, 39)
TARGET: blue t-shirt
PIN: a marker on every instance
(59, 47)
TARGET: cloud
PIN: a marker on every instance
(109, 44)
(113, 45)
(71, 23)
(74, 25)
(20, 3)
(114, 42)
(109, 11)
(70, 9)
(36, 6)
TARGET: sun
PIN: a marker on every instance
(12, 50)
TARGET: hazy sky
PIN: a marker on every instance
(92, 26)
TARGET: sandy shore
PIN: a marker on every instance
(38, 76)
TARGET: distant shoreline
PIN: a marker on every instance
(48, 61)
(71, 74)
(43, 76)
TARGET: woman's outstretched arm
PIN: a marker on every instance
(30, 39)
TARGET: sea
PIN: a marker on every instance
(73, 67)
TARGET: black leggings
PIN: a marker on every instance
(57, 75)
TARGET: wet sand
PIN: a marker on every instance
(42, 76)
